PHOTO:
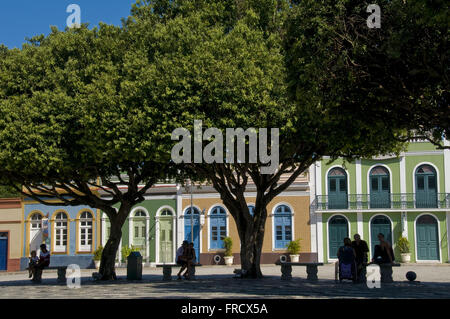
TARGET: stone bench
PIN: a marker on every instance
(311, 269)
(61, 273)
(386, 271)
(167, 270)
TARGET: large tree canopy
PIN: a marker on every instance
(398, 73)
(77, 115)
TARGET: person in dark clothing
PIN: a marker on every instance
(383, 253)
(346, 255)
(361, 250)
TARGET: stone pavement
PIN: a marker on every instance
(433, 281)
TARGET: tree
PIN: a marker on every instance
(225, 64)
(400, 71)
(77, 117)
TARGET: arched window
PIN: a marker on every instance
(139, 223)
(35, 232)
(60, 232)
(85, 243)
(192, 228)
(283, 226)
(218, 227)
(337, 188)
(379, 187)
(166, 212)
(36, 221)
(426, 187)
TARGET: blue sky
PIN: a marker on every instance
(20, 19)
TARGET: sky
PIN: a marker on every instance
(20, 19)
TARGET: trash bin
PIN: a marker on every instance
(134, 266)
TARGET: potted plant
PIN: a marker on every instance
(228, 243)
(98, 256)
(294, 249)
(403, 246)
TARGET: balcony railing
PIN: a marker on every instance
(382, 200)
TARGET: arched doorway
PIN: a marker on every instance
(166, 232)
(192, 228)
(380, 224)
(138, 225)
(426, 187)
(337, 231)
(337, 189)
(427, 237)
(379, 188)
(217, 227)
(283, 226)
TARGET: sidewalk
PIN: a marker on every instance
(218, 282)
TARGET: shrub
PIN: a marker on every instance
(403, 245)
(126, 251)
(228, 243)
(98, 253)
(294, 247)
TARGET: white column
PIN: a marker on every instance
(180, 220)
(360, 224)
(319, 178)
(405, 224)
(312, 214)
(447, 189)
(147, 240)
(358, 186)
(320, 237)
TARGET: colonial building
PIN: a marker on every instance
(72, 233)
(10, 234)
(405, 196)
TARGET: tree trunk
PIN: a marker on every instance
(252, 238)
(107, 264)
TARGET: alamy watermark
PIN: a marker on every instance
(373, 276)
(74, 19)
(236, 139)
(73, 275)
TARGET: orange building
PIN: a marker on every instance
(288, 219)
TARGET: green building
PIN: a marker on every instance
(405, 196)
(151, 226)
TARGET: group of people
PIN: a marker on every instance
(185, 257)
(353, 256)
(37, 264)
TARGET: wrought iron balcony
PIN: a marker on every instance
(382, 201)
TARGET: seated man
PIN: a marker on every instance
(44, 261)
(181, 258)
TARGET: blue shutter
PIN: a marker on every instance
(218, 227)
(3, 253)
(283, 227)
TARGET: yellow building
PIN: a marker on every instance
(288, 219)
(11, 226)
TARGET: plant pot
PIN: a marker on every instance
(228, 260)
(97, 264)
(406, 258)
(294, 258)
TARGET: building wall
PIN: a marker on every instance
(10, 223)
(300, 221)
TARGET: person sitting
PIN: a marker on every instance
(383, 253)
(361, 250)
(44, 261)
(346, 255)
(33, 261)
(191, 259)
(181, 258)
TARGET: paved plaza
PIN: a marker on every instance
(433, 281)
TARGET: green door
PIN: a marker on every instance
(380, 225)
(337, 189)
(337, 231)
(166, 240)
(139, 234)
(379, 188)
(427, 238)
(426, 187)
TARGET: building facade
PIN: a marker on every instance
(405, 196)
(10, 234)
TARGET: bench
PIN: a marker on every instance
(167, 270)
(61, 273)
(311, 269)
(386, 271)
